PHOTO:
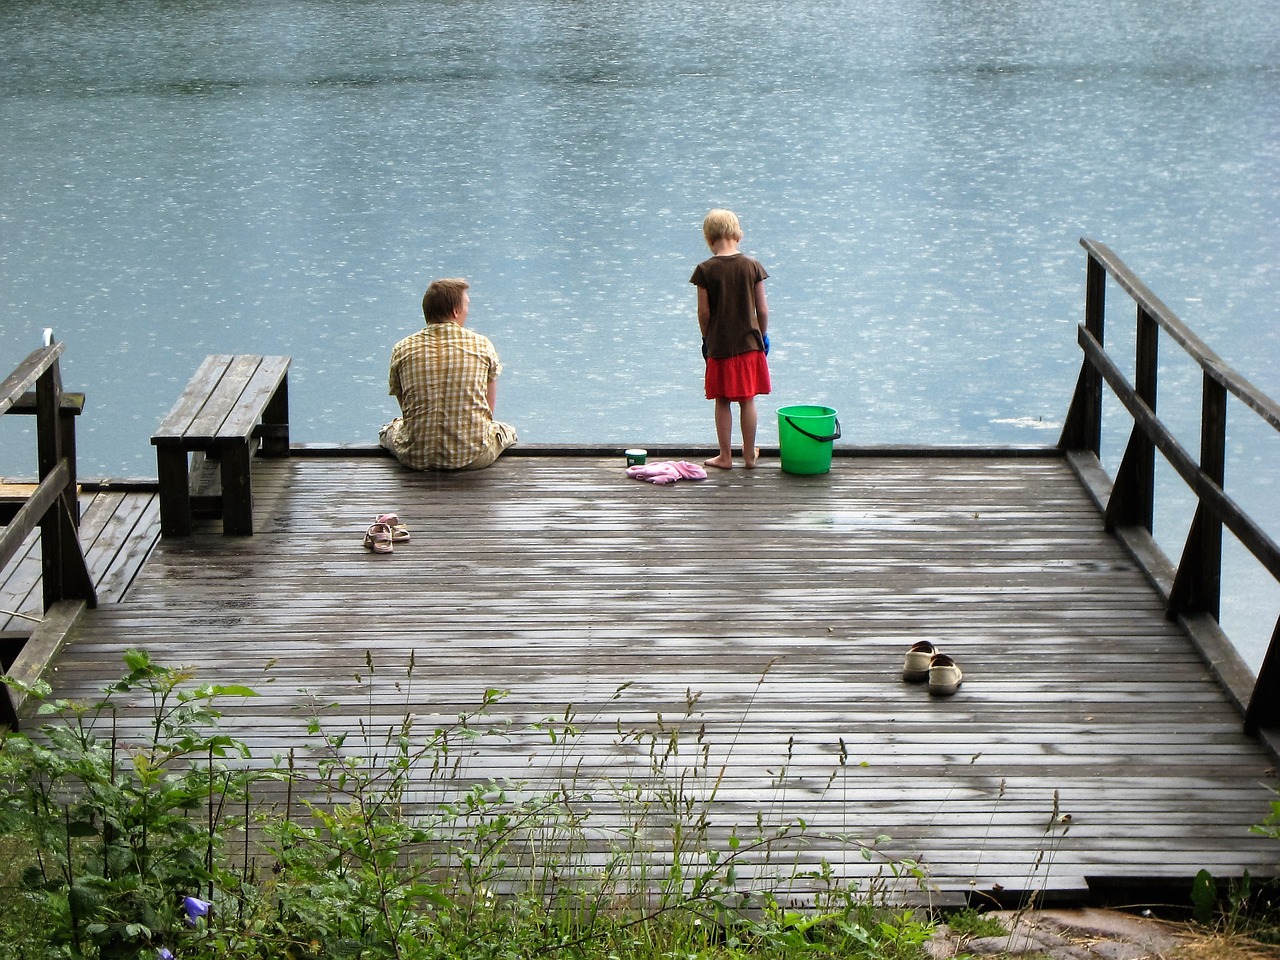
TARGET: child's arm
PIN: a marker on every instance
(704, 310)
(762, 309)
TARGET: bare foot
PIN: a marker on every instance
(750, 464)
(722, 463)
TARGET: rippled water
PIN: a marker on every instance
(179, 178)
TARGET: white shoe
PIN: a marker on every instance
(944, 676)
(916, 667)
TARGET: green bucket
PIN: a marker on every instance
(805, 435)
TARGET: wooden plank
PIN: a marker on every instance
(192, 400)
(117, 551)
(117, 531)
(26, 373)
(1197, 349)
(30, 514)
(31, 664)
(72, 404)
(220, 414)
(268, 374)
(20, 592)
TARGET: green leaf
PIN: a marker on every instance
(234, 690)
(83, 900)
(136, 659)
(1204, 898)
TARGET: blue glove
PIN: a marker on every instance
(766, 344)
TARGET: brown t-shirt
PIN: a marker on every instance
(730, 283)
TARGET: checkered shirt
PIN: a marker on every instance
(441, 376)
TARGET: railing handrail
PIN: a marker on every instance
(27, 373)
(1197, 349)
(1195, 592)
(28, 518)
(1207, 490)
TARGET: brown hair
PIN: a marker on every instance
(443, 299)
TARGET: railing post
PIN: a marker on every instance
(48, 453)
(67, 450)
(1197, 588)
(62, 567)
(1083, 427)
(1133, 497)
(1264, 703)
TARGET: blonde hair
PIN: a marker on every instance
(721, 225)
(442, 299)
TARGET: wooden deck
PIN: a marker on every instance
(768, 613)
(117, 530)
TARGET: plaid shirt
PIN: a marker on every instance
(441, 377)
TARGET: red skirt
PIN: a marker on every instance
(737, 378)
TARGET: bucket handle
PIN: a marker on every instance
(813, 436)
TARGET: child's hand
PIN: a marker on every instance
(704, 348)
(766, 344)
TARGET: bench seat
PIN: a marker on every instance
(232, 406)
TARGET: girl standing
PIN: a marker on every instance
(734, 318)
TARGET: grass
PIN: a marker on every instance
(970, 924)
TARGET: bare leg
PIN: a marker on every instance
(724, 436)
(750, 451)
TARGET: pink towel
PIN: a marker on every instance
(667, 471)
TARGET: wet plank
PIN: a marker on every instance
(758, 618)
(117, 530)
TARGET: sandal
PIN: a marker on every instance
(399, 532)
(378, 538)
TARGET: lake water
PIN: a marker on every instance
(181, 177)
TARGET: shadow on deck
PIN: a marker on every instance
(761, 619)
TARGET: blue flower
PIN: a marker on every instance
(195, 907)
(164, 954)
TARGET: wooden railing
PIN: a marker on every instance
(1193, 588)
(52, 506)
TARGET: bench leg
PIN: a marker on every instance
(275, 439)
(237, 492)
(175, 492)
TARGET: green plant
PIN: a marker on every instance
(972, 924)
(110, 834)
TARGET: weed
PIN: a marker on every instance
(969, 923)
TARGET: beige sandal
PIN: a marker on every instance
(378, 538)
(399, 532)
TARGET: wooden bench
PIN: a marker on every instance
(232, 405)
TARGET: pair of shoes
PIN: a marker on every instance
(385, 531)
(378, 538)
(924, 662)
(399, 532)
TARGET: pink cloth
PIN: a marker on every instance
(666, 471)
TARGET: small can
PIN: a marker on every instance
(636, 456)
